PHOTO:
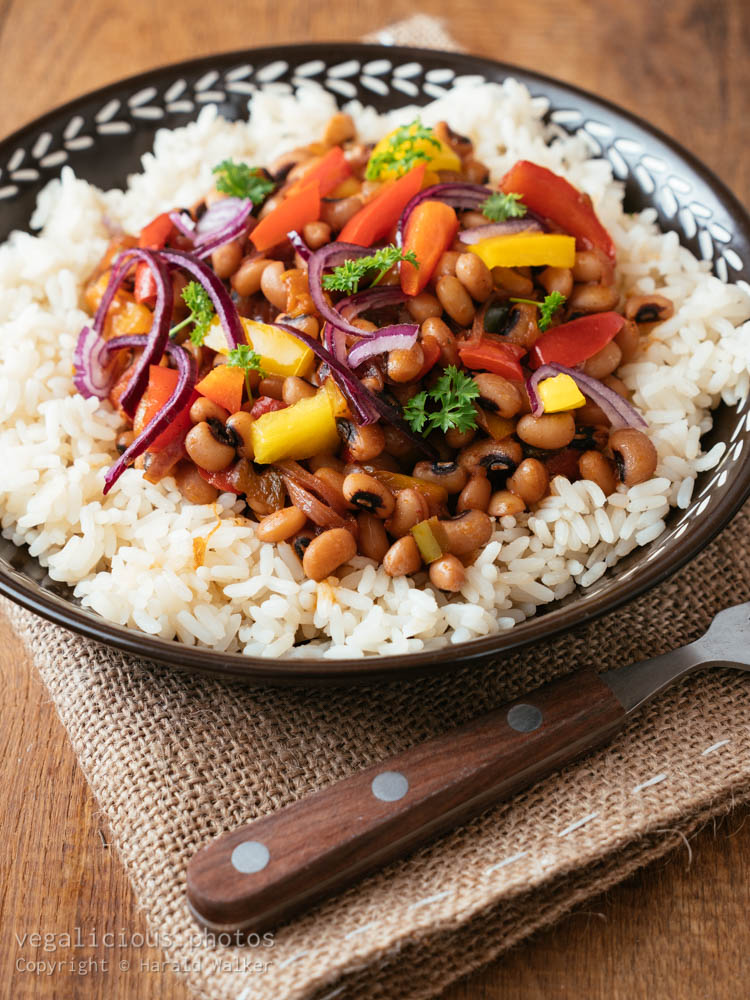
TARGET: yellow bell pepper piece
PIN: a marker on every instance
(560, 393)
(339, 405)
(527, 250)
(280, 352)
(304, 429)
(439, 157)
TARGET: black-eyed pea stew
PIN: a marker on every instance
(460, 430)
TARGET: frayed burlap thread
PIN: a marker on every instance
(175, 760)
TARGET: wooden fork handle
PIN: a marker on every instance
(262, 873)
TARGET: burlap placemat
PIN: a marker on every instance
(175, 760)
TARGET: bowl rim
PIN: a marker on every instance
(320, 670)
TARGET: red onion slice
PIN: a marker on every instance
(299, 245)
(618, 410)
(332, 255)
(367, 406)
(183, 223)
(507, 228)
(371, 298)
(326, 492)
(225, 220)
(456, 194)
(177, 402)
(225, 308)
(382, 341)
(88, 358)
(315, 509)
(94, 369)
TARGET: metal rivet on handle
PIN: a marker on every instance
(524, 718)
(389, 786)
(250, 856)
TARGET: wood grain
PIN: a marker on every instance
(328, 840)
(676, 930)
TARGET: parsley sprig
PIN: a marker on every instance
(248, 360)
(198, 301)
(448, 404)
(547, 308)
(499, 207)
(347, 276)
(403, 150)
(242, 181)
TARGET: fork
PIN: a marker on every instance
(261, 874)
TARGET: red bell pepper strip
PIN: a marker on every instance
(379, 216)
(160, 388)
(552, 197)
(431, 351)
(223, 385)
(573, 343)
(492, 356)
(294, 212)
(431, 229)
(328, 172)
(154, 236)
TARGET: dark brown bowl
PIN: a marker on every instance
(103, 135)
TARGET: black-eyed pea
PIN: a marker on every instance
(404, 364)
(593, 298)
(635, 455)
(445, 265)
(466, 532)
(281, 525)
(557, 279)
(192, 485)
(648, 308)
(227, 258)
(491, 456)
(597, 467)
(246, 279)
(340, 128)
(476, 494)
(604, 362)
(336, 212)
(368, 493)
(434, 328)
(316, 234)
(530, 481)
(550, 430)
(423, 306)
(329, 550)
(628, 340)
(364, 442)
(499, 394)
(503, 503)
(475, 171)
(455, 299)
(334, 478)
(447, 573)
(294, 389)
(459, 439)
(512, 281)
(204, 408)
(240, 423)
(403, 557)
(272, 286)
(475, 276)
(410, 508)
(306, 322)
(373, 540)
(450, 475)
(203, 446)
(591, 265)
(272, 386)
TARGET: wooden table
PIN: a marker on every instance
(676, 930)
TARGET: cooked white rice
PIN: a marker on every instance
(131, 556)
